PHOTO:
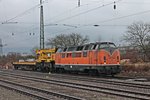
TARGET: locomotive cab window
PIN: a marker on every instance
(94, 46)
(103, 46)
(71, 49)
(80, 48)
(69, 55)
(60, 50)
(64, 49)
(87, 47)
(78, 54)
(107, 46)
(112, 45)
(84, 54)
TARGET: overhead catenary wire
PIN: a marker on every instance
(70, 17)
(21, 14)
(7, 21)
(119, 17)
(112, 19)
(75, 15)
(135, 3)
(108, 20)
(130, 15)
(18, 41)
(63, 13)
(22, 41)
(59, 15)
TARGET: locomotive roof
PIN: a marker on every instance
(89, 46)
(104, 42)
(90, 43)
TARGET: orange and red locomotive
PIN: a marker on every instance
(93, 58)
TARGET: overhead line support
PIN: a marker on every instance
(41, 26)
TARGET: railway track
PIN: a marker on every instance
(105, 81)
(35, 92)
(101, 89)
(99, 80)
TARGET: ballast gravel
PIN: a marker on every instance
(6, 94)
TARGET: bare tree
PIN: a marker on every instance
(138, 35)
(64, 40)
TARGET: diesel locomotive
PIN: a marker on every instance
(94, 58)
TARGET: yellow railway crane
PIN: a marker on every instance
(45, 58)
(45, 61)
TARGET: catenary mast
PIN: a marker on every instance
(41, 26)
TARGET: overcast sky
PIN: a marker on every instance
(112, 23)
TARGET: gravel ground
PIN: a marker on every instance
(6, 94)
(87, 95)
(45, 75)
(70, 91)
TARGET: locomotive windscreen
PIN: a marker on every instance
(107, 45)
(110, 47)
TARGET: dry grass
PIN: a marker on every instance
(136, 70)
(138, 67)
